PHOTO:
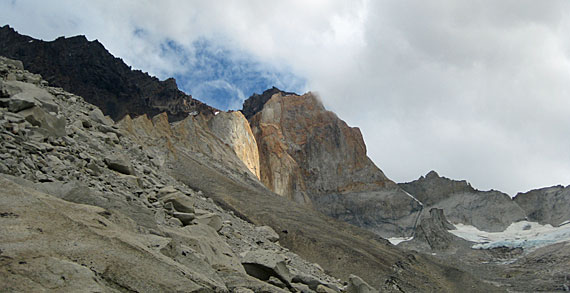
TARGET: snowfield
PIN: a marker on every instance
(526, 235)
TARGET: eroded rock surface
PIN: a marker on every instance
(312, 157)
(549, 205)
(491, 211)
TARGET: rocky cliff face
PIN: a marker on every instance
(487, 210)
(87, 69)
(309, 155)
(233, 130)
(225, 138)
(549, 205)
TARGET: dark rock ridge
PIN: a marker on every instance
(87, 69)
(491, 211)
(309, 155)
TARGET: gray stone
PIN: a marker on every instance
(112, 138)
(86, 123)
(185, 218)
(165, 191)
(268, 233)
(325, 289)
(310, 281)
(179, 202)
(12, 64)
(108, 129)
(263, 264)
(276, 282)
(175, 222)
(119, 164)
(98, 116)
(19, 103)
(302, 288)
(52, 125)
(211, 219)
(357, 285)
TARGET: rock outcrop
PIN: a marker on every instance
(87, 69)
(491, 211)
(433, 232)
(549, 205)
(310, 156)
(233, 129)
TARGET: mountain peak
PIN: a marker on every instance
(432, 174)
(87, 69)
(256, 102)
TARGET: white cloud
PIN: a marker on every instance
(476, 90)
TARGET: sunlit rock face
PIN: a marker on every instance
(311, 156)
(226, 138)
(233, 129)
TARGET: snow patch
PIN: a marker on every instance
(524, 234)
(413, 198)
(398, 240)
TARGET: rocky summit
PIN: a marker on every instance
(114, 181)
(311, 156)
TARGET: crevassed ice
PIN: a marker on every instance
(522, 234)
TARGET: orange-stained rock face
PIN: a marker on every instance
(309, 155)
(307, 149)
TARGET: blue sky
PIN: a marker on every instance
(223, 78)
(476, 90)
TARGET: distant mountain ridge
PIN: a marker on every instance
(87, 69)
(490, 210)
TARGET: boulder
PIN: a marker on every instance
(311, 281)
(211, 219)
(98, 116)
(302, 288)
(12, 64)
(325, 289)
(18, 103)
(119, 164)
(180, 202)
(185, 218)
(52, 125)
(268, 233)
(263, 264)
(165, 191)
(357, 285)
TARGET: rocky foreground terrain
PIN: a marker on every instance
(86, 206)
(128, 184)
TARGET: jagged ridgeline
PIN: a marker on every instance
(146, 204)
(86, 68)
